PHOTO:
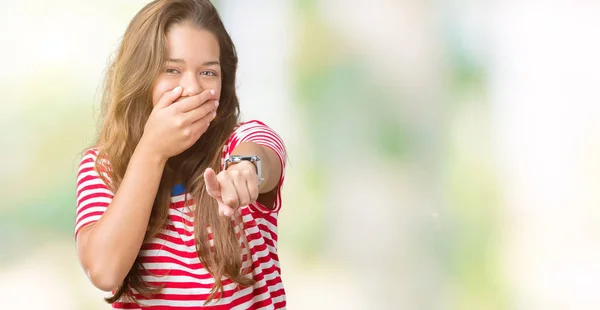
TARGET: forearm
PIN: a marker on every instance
(114, 242)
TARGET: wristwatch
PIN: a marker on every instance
(253, 159)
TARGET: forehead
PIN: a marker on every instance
(187, 42)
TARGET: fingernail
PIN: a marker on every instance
(216, 103)
(176, 89)
(214, 114)
(212, 92)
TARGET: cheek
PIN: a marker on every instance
(160, 87)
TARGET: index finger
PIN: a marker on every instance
(212, 184)
(168, 98)
(191, 103)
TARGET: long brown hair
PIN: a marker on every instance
(126, 106)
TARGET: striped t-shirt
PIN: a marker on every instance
(171, 257)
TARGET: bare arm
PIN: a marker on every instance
(238, 185)
(108, 248)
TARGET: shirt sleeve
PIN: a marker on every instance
(93, 195)
(259, 133)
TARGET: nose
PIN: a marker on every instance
(191, 85)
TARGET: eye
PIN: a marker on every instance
(172, 71)
(208, 73)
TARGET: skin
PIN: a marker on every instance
(185, 99)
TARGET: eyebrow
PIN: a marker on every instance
(207, 63)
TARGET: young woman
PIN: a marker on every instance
(177, 202)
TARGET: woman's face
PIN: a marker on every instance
(193, 63)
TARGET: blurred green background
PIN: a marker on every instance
(443, 154)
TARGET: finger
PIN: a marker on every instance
(200, 127)
(241, 187)
(225, 209)
(212, 184)
(229, 194)
(193, 102)
(209, 107)
(169, 97)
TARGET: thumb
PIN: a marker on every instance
(212, 184)
(169, 97)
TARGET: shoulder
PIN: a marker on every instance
(252, 127)
(89, 156)
(90, 161)
(253, 131)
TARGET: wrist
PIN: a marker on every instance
(246, 160)
(242, 166)
(146, 151)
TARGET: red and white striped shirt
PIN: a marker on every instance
(171, 258)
